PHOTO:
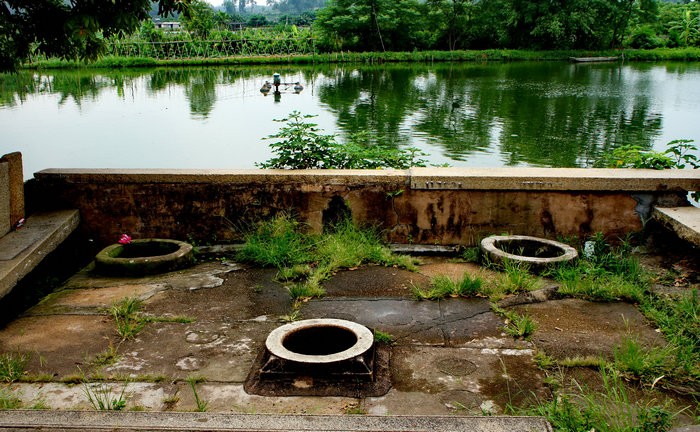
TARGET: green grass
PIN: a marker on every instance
(201, 403)
(12, 366)
(9, 400)
(102, 398)
(125, 316)
(130, 321)
(306, 260)
(443, 286)
(520, 326)
(610, 409)
(112, 62)
(383, 337)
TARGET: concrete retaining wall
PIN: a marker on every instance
(424, 206)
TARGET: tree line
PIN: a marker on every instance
(407, 25)
(81, 29)
(404, 25)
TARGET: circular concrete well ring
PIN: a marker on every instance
(536, 252)
(144, 257)
(319, 341)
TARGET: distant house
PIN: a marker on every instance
(236, 26)
(171, 26)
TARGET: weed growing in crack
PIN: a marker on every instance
(102, 398)
(201, 403)
(125, 316)
(9, 400)
(130, 321)
(517, 325)
(517, 278)
(383, 337)
(106, 357)
(12, 366)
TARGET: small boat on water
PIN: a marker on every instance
(593, 59)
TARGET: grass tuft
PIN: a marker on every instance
(443, 286)
(12, 366)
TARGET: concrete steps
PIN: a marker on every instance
(23, 249)
(684, 221)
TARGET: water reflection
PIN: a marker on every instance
(548, 114)
(540, 114)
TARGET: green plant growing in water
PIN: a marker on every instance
(12, 366)
(303, 146)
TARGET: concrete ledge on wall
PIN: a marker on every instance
(561, 179)
(435, 206)
(236, 177)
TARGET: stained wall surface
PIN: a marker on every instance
(448, 206)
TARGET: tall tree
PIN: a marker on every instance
(69, 28)
(451, 18)
(375, 25)
(200, 19)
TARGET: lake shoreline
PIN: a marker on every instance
(116, 62)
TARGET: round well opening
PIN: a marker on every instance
(320, 340)
(143, 257)
(537, 253)
(529, 248)
(149, 249)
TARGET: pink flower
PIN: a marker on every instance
(125, 239)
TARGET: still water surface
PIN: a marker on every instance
(505, 114)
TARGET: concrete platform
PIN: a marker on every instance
(684, 221)
(22, 250)
(133, 421)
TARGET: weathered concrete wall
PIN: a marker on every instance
(4, 198)
(15, 187)
(426, 206)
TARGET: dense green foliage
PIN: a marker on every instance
(312, 27)
(381, 25)
(302, 146)
(69, 29)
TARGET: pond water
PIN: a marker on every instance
(552, 114)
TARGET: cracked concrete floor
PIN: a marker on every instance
(450, 356)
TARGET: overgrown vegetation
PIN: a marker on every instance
(610, 409)
(612, 273)
(678, 154)
(443, 286)
(305, 260)
(303, 146)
